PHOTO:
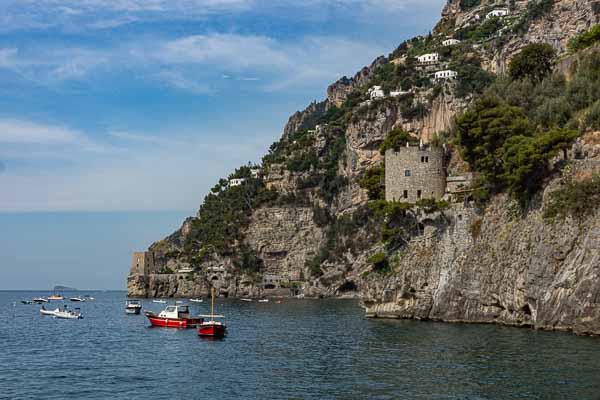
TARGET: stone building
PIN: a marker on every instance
(142, 263)
(415, 173)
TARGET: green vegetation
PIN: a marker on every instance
(248, 260)
(346, 234)
(468, 4)
(577, 199)
(374, 182)
(497, 140)
(472, 79)
(584, 40)
(480, 31)
(396, 139)
(534, 62)
(536, 9)
(224, 214)
(380, 262)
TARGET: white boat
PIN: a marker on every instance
(133, 307)
(43, 311)
(78, 299)
(40, 300)
(247, 300)
(263, 300)
(159, 301)
(68, 314)
(196, 300)
(65, 313)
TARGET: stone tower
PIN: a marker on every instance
(142, 263)
(415, 173)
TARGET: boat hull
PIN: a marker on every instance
(181, 323)
(133, 311)
(212, 330)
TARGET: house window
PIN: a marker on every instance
(422, 159)
(418, 194)
(405, 195)
(427, 159)
(407, 172)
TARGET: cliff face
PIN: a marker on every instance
(463, 264)
(522, 272)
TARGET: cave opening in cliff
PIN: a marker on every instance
(348, 286)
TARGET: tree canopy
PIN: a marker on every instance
(534, 62)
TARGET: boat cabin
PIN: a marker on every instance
(176, 312)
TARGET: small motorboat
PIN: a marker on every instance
(77, 299)
(26, 302)
(133, 307)
(212, 328)
(65, 313)
(176, 316)
(88, 297)
(43, 311)
(263, 300)
(196, 300)
(246, 300)
(56, 297)
(159, 301)
(40, 300)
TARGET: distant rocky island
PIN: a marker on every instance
(456, 179)
(60, 288)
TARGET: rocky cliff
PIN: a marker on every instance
(303, 223)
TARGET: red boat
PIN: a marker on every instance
(177, 316)
(212, 328)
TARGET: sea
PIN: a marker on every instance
(298, 349)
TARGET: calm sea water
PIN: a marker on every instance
(301, 349)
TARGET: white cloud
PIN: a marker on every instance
(177, 79)
(76, 15)
(7, 57)
(173, 177)
(226, 50)
(142, 138)
(16, 131)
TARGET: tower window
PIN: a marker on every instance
(405, 195)
(422, 159)
(418, 194)
(407, 172)
(427, 159)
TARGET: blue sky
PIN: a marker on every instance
(141, 105)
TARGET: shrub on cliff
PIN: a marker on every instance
(379, 261)
(577, 199)
(373, 181)
(534, 62)
(396, 139)
(585, 39)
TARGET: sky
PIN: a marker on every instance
(133, 108)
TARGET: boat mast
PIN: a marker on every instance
(212, 304)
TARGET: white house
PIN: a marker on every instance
(255, 172)
(498, 12)
(447, 74)
(398, 93)
(236, 182)
(185, 270)
(450, 42)
(429, 58)
(376, 92)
